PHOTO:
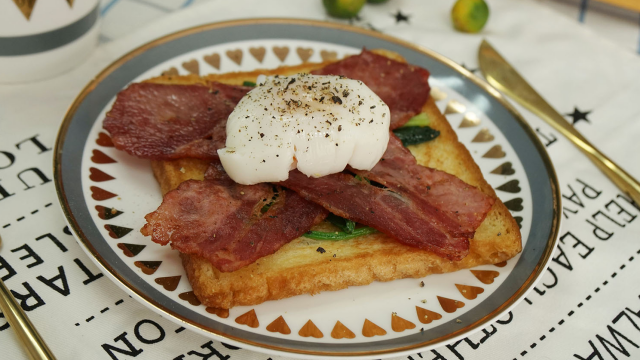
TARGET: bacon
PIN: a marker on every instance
(403, 87)
(164, 122)
(222, 221)
(458, 207)
(420, 207)
(387, 211)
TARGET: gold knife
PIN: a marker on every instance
(31, 340)
(505, 78)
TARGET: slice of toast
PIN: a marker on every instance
(299, 268)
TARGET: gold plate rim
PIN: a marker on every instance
(512, 301)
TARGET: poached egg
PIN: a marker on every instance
(318, 124)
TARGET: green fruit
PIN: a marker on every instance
(343, 8)
(469, 15)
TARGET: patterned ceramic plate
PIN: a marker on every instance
(105, 193)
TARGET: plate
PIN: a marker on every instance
(105, 194)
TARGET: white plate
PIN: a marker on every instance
(527, 185)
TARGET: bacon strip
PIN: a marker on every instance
(390, 212)
(222, 222)
(452, 205)
(403, 87)
(164, 122)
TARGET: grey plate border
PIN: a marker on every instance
(539, 170)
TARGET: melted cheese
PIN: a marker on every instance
(316, 123)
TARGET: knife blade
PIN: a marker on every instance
(501, 75)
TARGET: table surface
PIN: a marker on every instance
(582, 56)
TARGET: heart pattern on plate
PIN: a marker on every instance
(280, 326)
(213, 60)
(370, 329)
(399, 324)
(104, 140)
(169, 283)
(258, 53)
(304, 53)
(469, 292)
(485, 276)
(192, 66)
(341, 332)
(99, 157)
(310, 329)
(328, 55)
(449, 305)
(249, 318)
(235, 56)
(281, 52)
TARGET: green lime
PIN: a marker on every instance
(469, 15)
(343, 8)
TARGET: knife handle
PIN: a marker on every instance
(32, 342)
(615, 173)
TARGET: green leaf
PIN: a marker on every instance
(339, 235)
(248, 83)
(414, 135)
(345, 225)
(419, 120)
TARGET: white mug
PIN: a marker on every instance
(43, 38)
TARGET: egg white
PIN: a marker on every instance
(318, 124)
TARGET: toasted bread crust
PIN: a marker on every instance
(297, 268)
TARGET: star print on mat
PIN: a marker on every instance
(578, 115)
(401, 17)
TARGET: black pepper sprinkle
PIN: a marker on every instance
(336, 100)
(373, 107)
(290, 82)
(322, 98)
(261, 135)
(321, 250)
(326, 135)
(216, 92)
(421, 283)
(334, 255)
(345, 93)
(339, 127)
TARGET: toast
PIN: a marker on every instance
(301, 268)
